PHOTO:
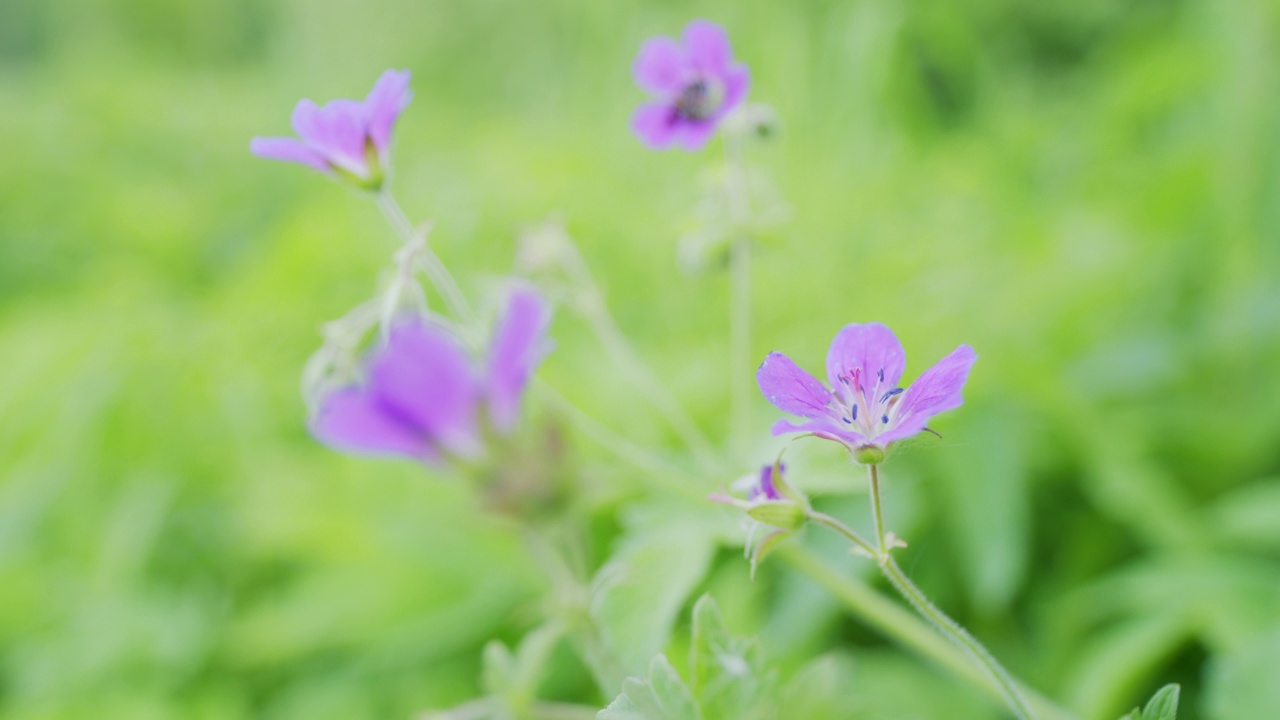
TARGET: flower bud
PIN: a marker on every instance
(779, 513)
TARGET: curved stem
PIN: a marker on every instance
(845, 530)
(944, 624)
(431, 264)
(616, 344)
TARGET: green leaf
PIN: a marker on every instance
(635, 597)
(663, 696)
(1242, 683)
(726, 669)
(1164, 704)
(1246, 517)
(497, 668)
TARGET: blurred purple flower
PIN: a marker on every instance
(347, 138)
(694, 84)
(866, 410)
(422, 396)
(764, 488)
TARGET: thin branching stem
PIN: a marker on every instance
(739, 296)
(431, 264)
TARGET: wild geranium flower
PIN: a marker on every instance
(864, 409)
(424, 398)
(695, 84)
(349, 139)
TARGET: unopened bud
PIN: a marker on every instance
(779, 513)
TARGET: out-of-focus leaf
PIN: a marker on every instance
(1244, 684)
(1164, 704)
(1249, 517)
(636, 595)
(726, 670)
(986, 508)
(820, 690)
(1112, 665)
(663, 696)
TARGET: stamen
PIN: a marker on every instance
(847, 420)
(890, 394)
(885, 419)
(880, 374)
(855, 412)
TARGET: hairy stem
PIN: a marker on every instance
(620, 349)
(944, 624)
(435, 270)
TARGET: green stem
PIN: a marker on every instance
(873, 476)
(834, 524)
(944, 624)
(431, 264)
(739, 298)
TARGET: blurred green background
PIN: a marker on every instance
(1087, 191)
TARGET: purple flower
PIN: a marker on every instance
(347, 138)
(764, 489)
(423, 396)
(694, 84)
(866, 410)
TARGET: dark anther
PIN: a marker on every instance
(885, 419)
(855, 412)
(890, 394)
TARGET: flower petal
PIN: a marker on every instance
(288, 150)
(708, 46)
(656, 125)
(353, 420)
(825, 428)
(791, 389)
(425, 376)
(937, 390)
(694, 134)
(519, 344)
(336, 131)
(661, 67)
(388, 98)
(868, 348)
(737, 81)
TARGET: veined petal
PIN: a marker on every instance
(791, 389)
(937, 390)
(707, 45)
(336, 130)
(353, 420)
(661, 67)
(869, 348)
(823, 428)
(519, 344)
(289, 150)
(388, 98)
(425, 376)
(655, 124)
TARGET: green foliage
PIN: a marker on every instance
(1162, 706)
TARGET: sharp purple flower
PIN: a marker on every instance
(864, 408)
(423, 396)
(346, 138)
(695, 83)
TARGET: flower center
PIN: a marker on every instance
(867, 404)
(699, 100)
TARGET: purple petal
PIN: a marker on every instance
(937, 390)
(655, 124)
(336, 130)
(737, 81)
(289, 150)
(823, 428)
(868, 348)
(694, 134)
(766, 488)
(791, 389)
(425, 376)
(352, 420)
(708, 46)
(388, 98)
(519, 344)
(661, 67)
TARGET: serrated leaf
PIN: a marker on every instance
(663, 696)
(636, 595)
(726, 669)
(1164, 704)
